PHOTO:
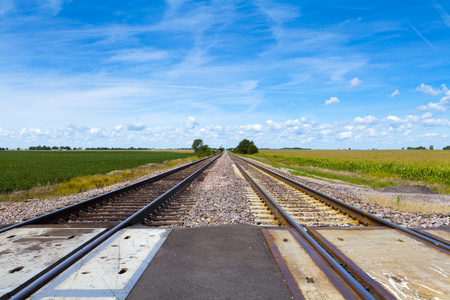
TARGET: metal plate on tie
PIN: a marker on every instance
(111, 270)
(26, 252)
(405, 267)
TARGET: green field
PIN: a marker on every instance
(23, 170)
(372, 167)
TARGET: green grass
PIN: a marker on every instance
(23, 170)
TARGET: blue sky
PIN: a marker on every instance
(314, 74)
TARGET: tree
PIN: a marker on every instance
(252, 149)
(446, 148)
(197, 144)
(431, 147)
(244, 147)
(204, 150)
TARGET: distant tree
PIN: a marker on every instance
(220, 149)
(431, 147)
(446, 148)
(244, 147)
(204, 150)
(252, 149)
(197, 144)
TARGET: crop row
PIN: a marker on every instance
(22, 170)
(412, 166)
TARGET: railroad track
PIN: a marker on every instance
(134, 204)
(305, 209)
(278, 203)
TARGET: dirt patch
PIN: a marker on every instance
(407, 189)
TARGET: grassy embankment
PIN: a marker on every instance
(379, 168)
(48, 174)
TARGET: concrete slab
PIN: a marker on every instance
(222, 262)
(405, 267)
(26, 252)
(111, 270)
(310, 278)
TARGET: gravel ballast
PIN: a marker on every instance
(221, 200)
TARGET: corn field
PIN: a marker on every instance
(431, 166)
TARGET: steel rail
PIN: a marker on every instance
(54, 216)
(367, 218)
(349, 279)
(24, 292)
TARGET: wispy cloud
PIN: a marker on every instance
(139, 55)
(421, 36)
(395, 93)
(444, 15)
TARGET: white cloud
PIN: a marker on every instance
(332, 100)
(430, 134)
(33, 132)
(429, 90)
(97, 132)
(4, 132)
(344, 135)
(395, 93)
(367, 120)
(135, 126)
(436, 122)
(254, 127)
(191, 123)
(273, 125)
(393, 119)
(442, 105)
(355, 82)
(118, 128)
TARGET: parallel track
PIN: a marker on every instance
(335, 209)
(301, 207)
(131, 205)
